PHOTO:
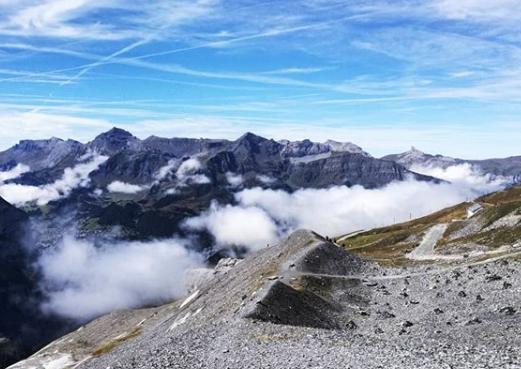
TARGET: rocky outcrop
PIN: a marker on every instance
(415, 157)
(349, 170)
(114, 141)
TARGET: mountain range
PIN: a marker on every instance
(125, 188)
(148, 186)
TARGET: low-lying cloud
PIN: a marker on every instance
(74, 177)
(465, 175)
(262, 215)
(126, 188)
(235, 180)
(166, 170)
(188, 173)
(83, 280)
(13, 173)
(236, 225)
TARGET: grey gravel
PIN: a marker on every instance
(440, 331)
(412, 316)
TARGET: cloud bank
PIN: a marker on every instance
(465, 175)
(83, 280)
(262, 215)
(77, 176)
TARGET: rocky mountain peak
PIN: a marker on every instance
(415, 151)
(345, 147)
(113, 141)
(251, 138)
(250, 143)
(114, 133)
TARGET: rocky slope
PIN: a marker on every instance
(310, 303)
(492, 228)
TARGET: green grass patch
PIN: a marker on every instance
(494, 213)
(508, 195)
(494, 238)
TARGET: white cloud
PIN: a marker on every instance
(31, 123)
(265, 179)
(235, 180)
(187, 173)
(187, 167)
(13, 173)
(263, 214)
(236, 226)
(479, 9)
(74, 18)
(198, 179)
(83, 280)
(465, 175)
(127, 188)
(165, 171)
(462, 74)
(77, 176)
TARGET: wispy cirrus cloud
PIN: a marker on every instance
(256, 65)
(479, 9)
(79, 19)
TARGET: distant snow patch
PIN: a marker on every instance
(61, 362)
(180, 321)
(189, 299)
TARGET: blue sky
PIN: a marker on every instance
(443, 75)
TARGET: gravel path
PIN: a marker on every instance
(425, 251)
